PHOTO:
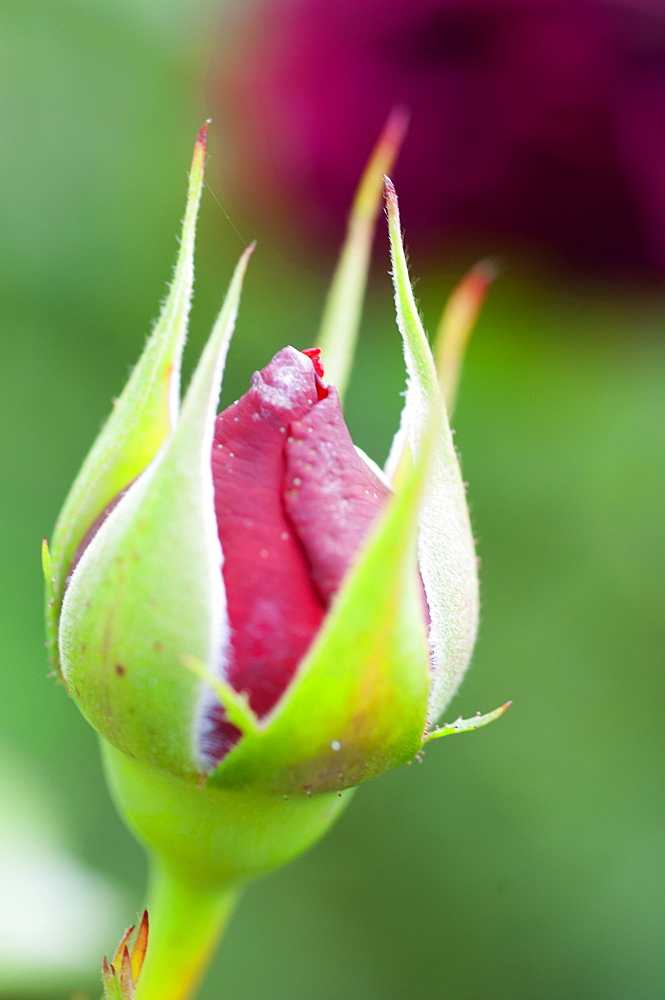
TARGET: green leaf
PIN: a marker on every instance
(119, 977)
(112, 986)
(148, 589)
(341, 315)
(142, 416)
(445, 545)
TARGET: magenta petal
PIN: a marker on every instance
(294, 503)
(331, 495)
(274, 611)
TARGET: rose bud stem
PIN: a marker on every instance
(204, 845)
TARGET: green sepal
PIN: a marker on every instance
(446, 552)
(341, 315)
(456, 326)
(467, 725)
(148, 589)
(358, 702)
(51, 598)
(142, 416)
(236, 704)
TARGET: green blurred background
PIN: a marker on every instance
(521, 861)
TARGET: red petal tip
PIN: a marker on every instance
(314, 355)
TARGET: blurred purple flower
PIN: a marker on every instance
(536, 120)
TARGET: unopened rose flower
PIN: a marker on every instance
(251, 614)
(238, 597)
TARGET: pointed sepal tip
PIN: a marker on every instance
(461, 725)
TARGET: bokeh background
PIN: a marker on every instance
(521, 861)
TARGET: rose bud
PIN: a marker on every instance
(244, 606)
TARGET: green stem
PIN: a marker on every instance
(187, 919)
(204, 842)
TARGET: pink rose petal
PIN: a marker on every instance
(331, 495)
(273, 609)
(294, 503)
